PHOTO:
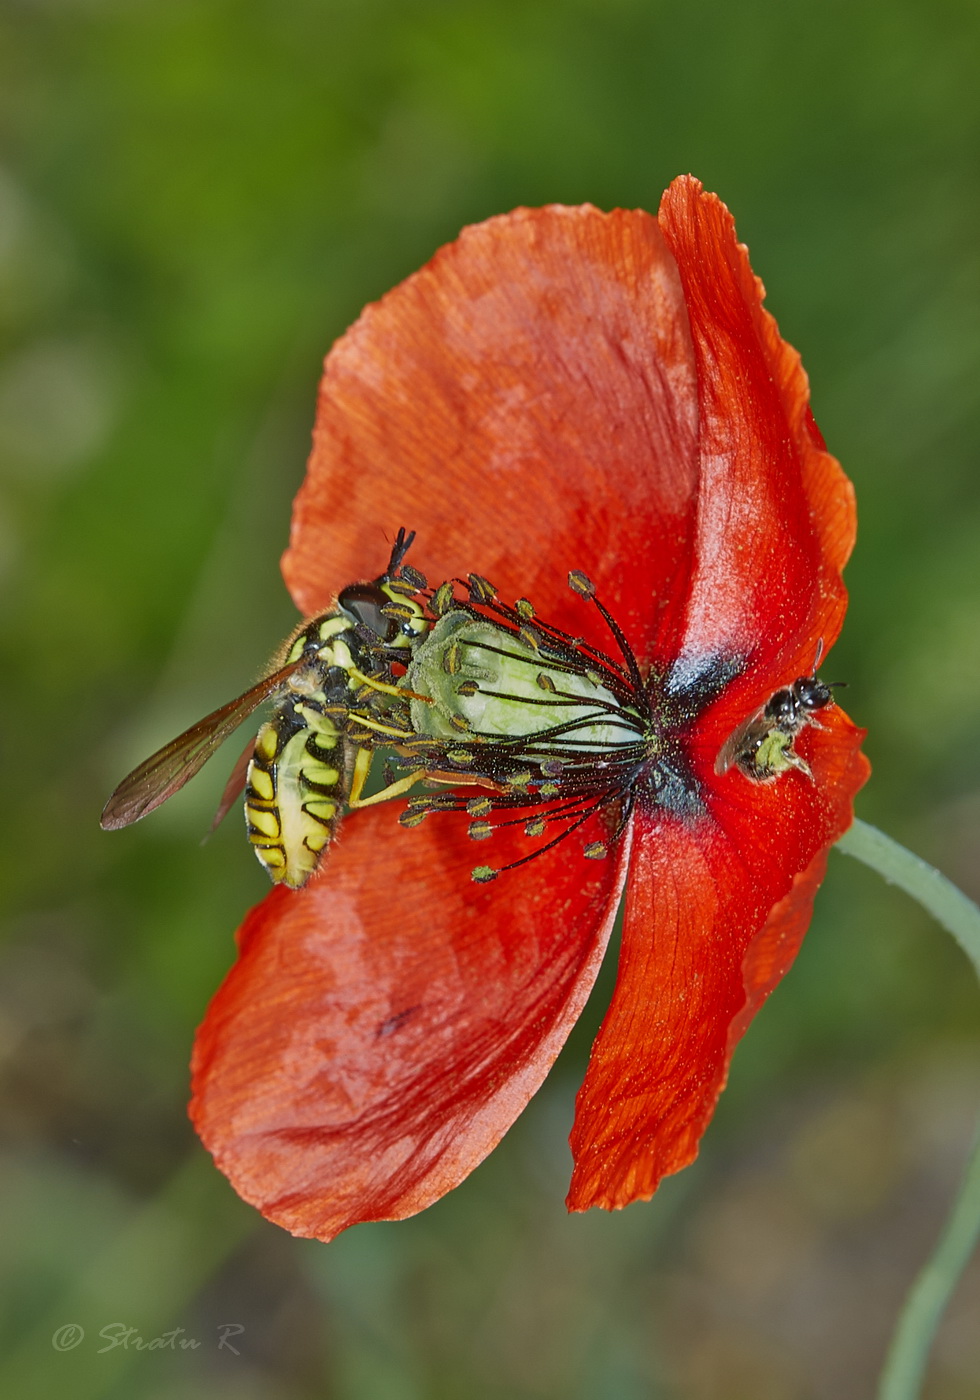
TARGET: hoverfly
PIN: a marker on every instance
(764, 746)
(304, 767)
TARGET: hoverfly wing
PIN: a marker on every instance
(166, 771)
(234, 787)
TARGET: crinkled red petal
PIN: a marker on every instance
(715, 913)
(384, 1026)
(776, 516)
(527, 403)
(717, 904)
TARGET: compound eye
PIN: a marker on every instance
(363, 602)
(812, 694)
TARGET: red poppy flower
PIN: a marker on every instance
(560, 389)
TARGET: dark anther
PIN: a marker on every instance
(442, 599)
(398, 611)
(460, 757)
(581, 583)
(481, 589)
(413, 577)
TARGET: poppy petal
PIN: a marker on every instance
(714, 918)
(385, 1025)
(776, 519)
(527, 403)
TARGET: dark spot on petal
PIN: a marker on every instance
(695, 681)
(394, 1023)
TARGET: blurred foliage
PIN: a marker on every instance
(196, 197)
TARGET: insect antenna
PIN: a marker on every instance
(403, 543)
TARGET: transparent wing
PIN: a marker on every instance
(166, 771)
(234, 787)
(733, 745)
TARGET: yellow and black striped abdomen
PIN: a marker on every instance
(295, 791)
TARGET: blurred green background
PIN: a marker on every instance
(196, 197)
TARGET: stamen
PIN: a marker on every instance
(398, 612)
(442, 599)
(481, 589)
(622, 643)
(565, 699)
(532, 855)
(549, 780)
(414, 578)
(615, 676)
(581, 584)
(460, 756)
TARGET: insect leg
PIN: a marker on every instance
(362, 766)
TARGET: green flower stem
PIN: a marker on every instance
(947, 905)
(908, 1353)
